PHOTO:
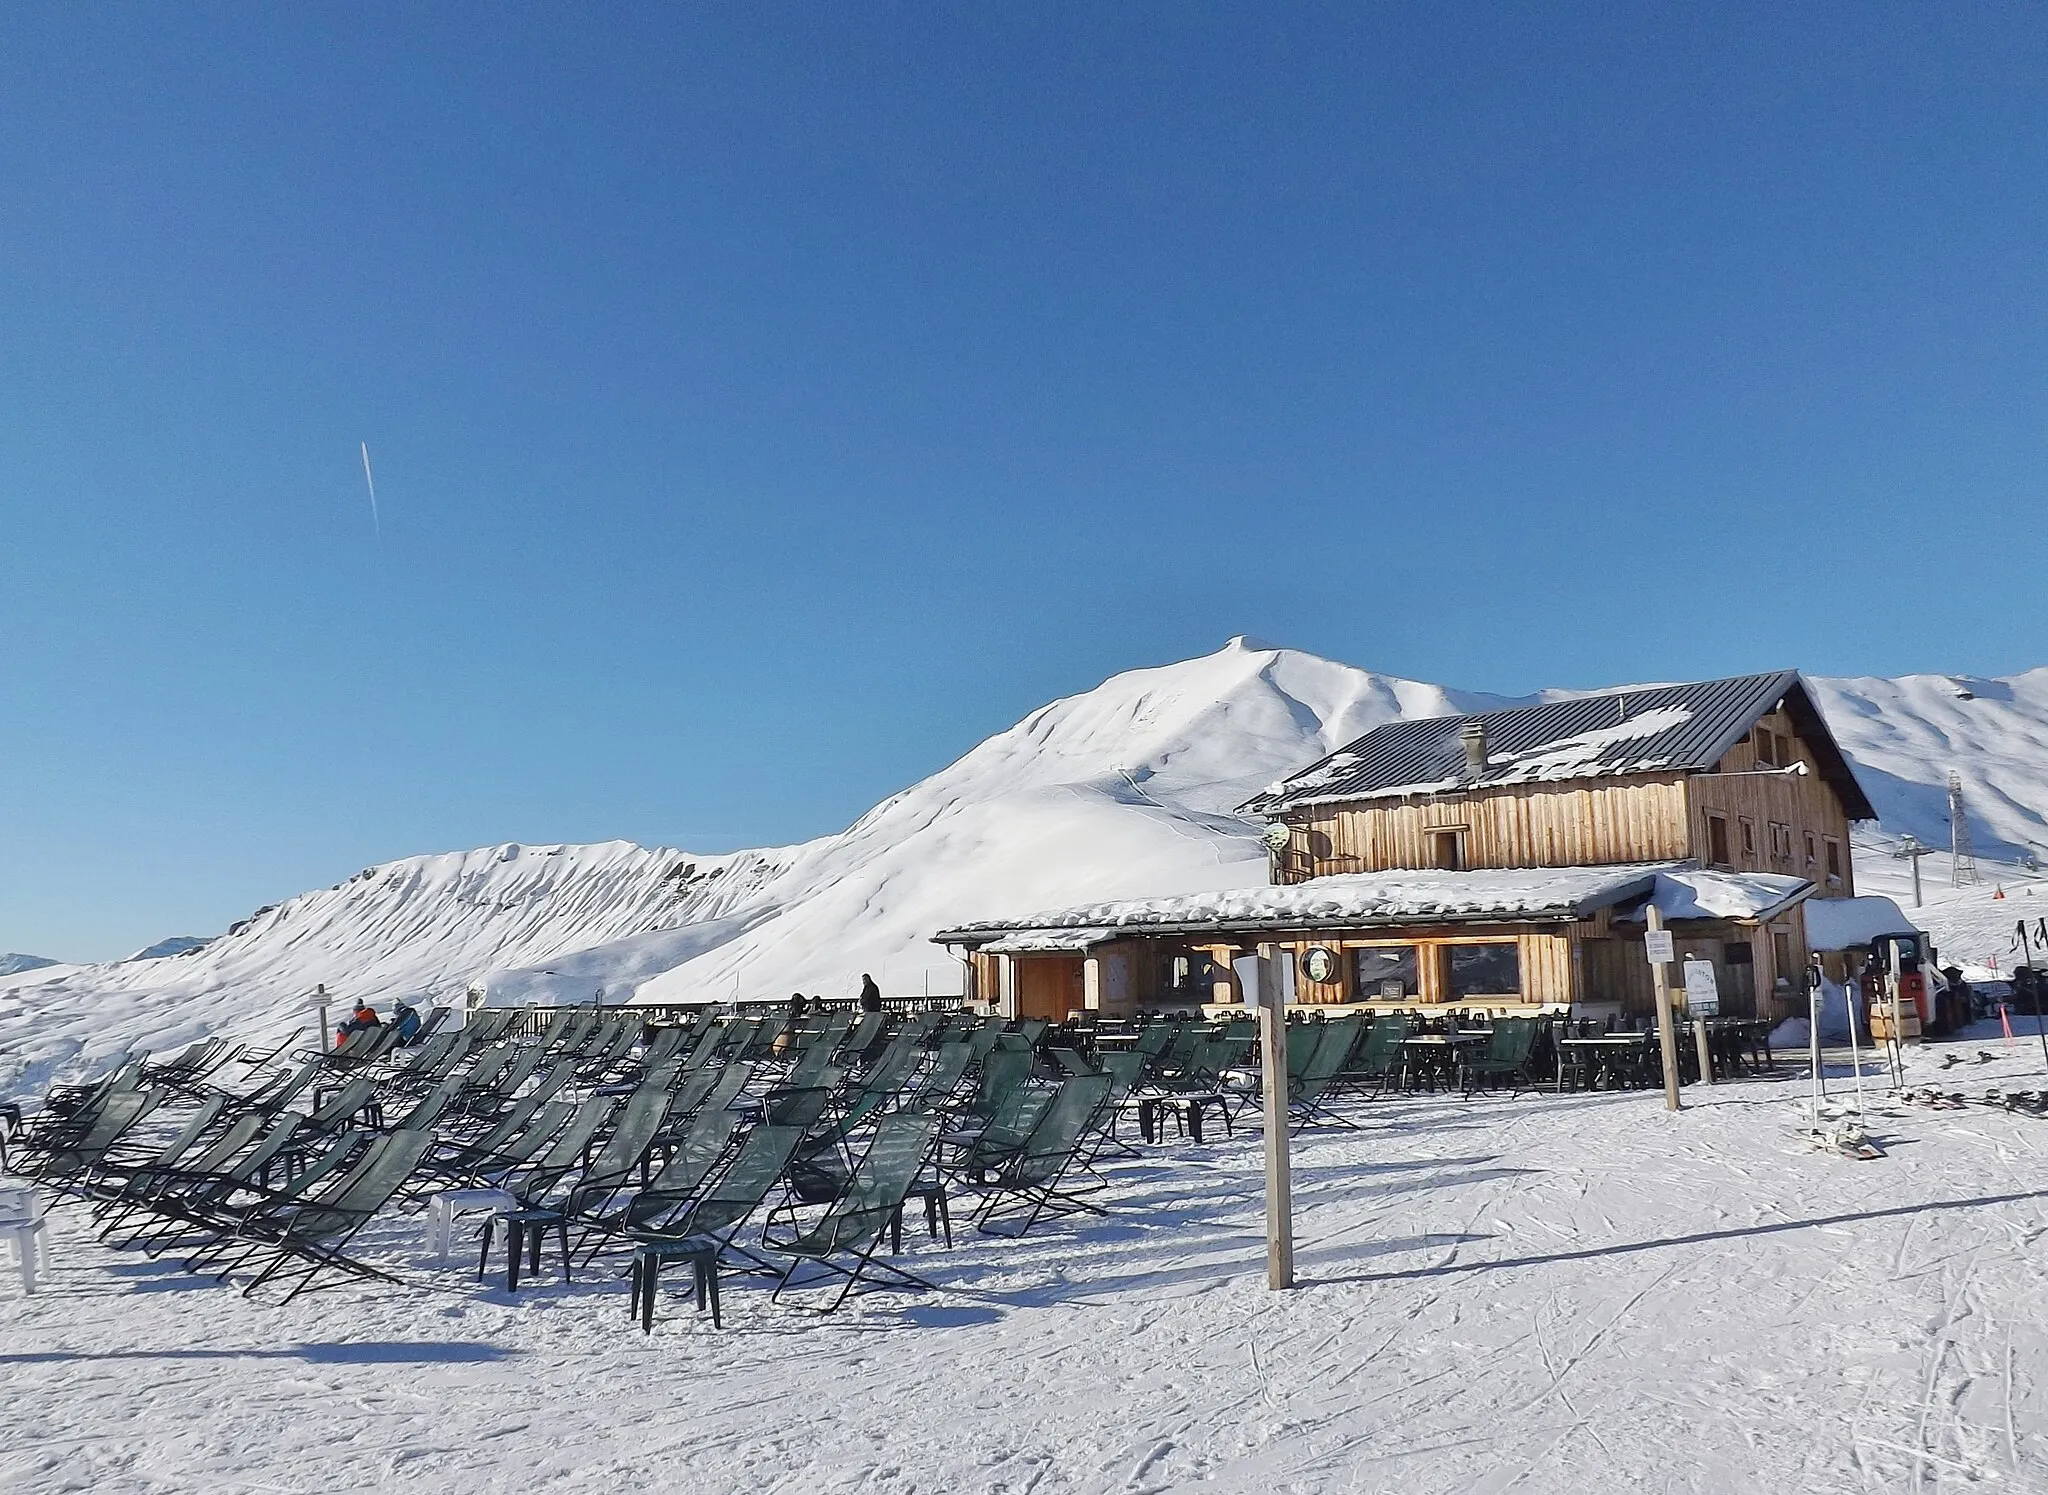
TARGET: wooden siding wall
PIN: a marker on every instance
(1587, 824)
(1591, 823)
(1805, 802)
(1615, 969)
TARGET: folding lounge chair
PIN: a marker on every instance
(623, 1154)
(697, 1153)
(181, 1198)
(106, 1178)
(308, 1237)
(704, 1230)
(860, 1220)
(499, 1184)
(1310, 1094)
(1028, 1182)
(1506, 1057)
(68, 1158)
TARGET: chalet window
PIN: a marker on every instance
(1787, 754)
(1834, 860)
(1447, 850)
(1765, 752)
(1748, 839)
(1484, 971)
(1781, 955)
(1191, 976)
(1781, 842)
(1812, 857)
(1386, 972)
(1717, 840)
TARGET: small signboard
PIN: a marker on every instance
(1246, 968)
(1657, 945)
(1702, 993)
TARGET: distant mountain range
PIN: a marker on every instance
(1124, 790)
(11, 965)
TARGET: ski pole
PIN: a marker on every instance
(1813, 1007)
(1855, 1054)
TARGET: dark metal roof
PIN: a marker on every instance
(1641, 729)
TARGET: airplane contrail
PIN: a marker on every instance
(375, 522)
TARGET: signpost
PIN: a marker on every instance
(1269, 984)
(1657, 944)
(319, 1005)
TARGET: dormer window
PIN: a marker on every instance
(1766, 747)
(1447, 850)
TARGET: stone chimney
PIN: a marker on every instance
(1473, 736)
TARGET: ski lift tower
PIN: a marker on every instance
(1911, 850)
(1962, 860)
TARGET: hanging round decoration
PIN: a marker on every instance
(1319, 965)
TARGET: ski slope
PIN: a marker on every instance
(1123, 791)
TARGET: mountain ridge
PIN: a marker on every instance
(1126, 789)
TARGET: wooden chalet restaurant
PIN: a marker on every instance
(1506, 860)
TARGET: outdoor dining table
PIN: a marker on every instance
(1435, 1055)
(1604, 1046)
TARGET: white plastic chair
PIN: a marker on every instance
(21, 1216)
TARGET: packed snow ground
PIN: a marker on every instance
(1541, 1294)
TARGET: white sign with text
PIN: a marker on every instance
(1702, 992)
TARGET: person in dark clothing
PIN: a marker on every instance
(870, 994)
(792, 1016)
(405, 1021)
(363, 1018)
(1961, 1009)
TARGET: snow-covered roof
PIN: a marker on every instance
(1642, 729)
(1850, 923)
(1696, 893)
(1349, 899)
(1048, 941)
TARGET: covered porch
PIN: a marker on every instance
(1542, 940)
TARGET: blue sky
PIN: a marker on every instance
(767, 406)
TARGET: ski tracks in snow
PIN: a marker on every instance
(1516, 1298)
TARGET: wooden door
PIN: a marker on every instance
(1050, 986)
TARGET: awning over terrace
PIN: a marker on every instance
(1366, 900)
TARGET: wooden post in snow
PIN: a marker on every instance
(1659, 950)
(1273, 1079)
